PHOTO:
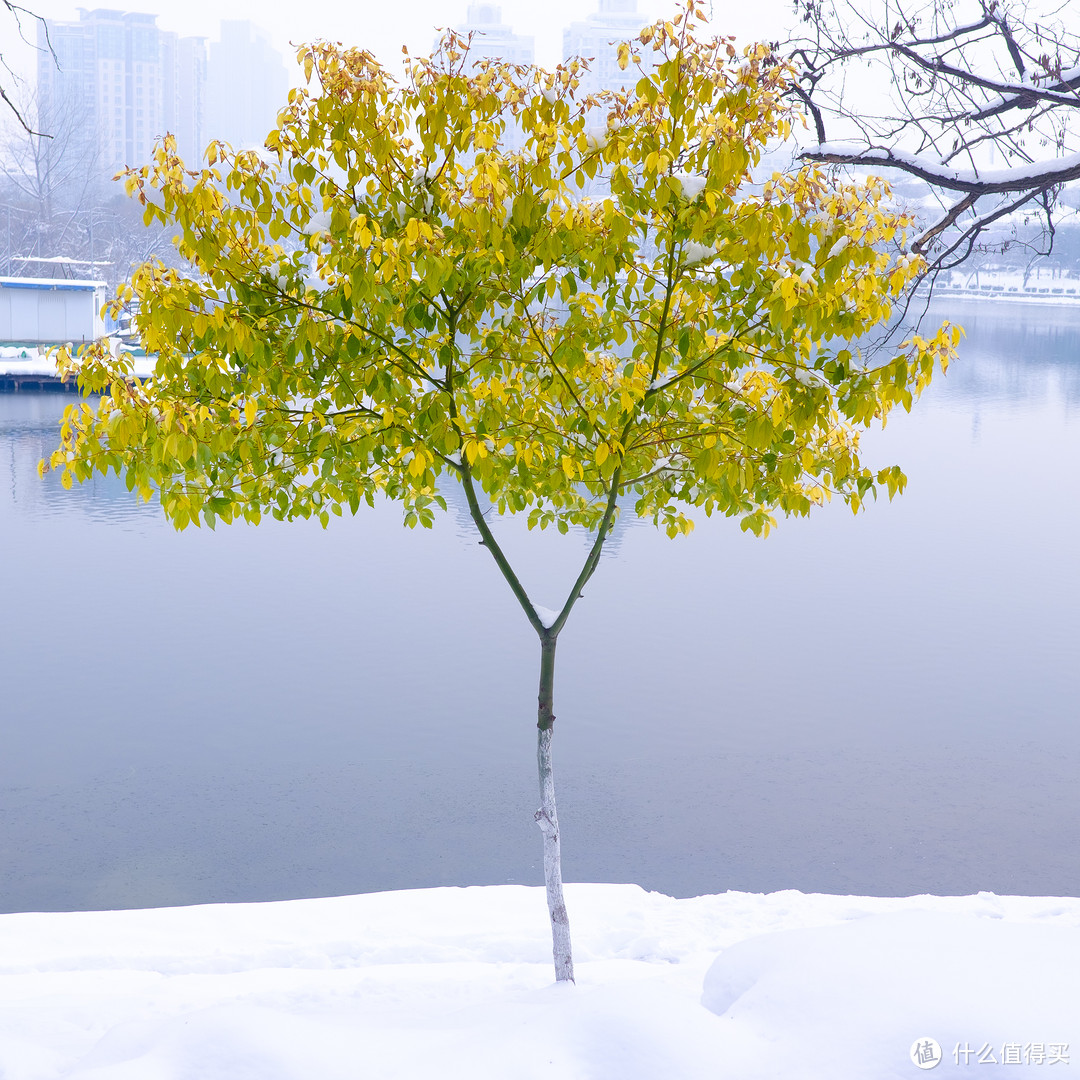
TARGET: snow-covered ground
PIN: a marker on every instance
(457, 983)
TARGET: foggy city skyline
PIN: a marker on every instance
(125, 77)
(288, 25)
(117, 79)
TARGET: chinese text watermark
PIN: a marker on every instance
(1012, 1053)
(926, 1053)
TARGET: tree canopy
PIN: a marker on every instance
(389, 294)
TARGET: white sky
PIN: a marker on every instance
(384, 27)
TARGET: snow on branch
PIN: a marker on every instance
(1028, 95)
(979, 101)
(988, 182)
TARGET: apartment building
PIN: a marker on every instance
(120, 82)
(615, 21)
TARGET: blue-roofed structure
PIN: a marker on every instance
(49, 311)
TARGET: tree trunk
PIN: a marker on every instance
(548, 819)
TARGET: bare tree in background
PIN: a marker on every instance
(48, 180)
(59, 215)
(57, 167)
(980, 100)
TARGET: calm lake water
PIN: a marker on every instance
(885, 704)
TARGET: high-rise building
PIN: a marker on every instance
(123, 83)
(617, 20)
(492, 38)
(185, 105)
(246, 85)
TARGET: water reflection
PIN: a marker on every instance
(1021, 354)
(29, 432)
(881, 705)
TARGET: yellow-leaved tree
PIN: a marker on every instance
(475, 275)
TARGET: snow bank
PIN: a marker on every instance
(40, 360)
(457, 983)
(859, 995)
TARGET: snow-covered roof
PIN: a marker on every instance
(51, 283)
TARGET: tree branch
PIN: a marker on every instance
(1000, 182)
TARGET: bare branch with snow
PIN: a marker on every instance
(975, 98)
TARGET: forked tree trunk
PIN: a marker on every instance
(546, 816)
(548, 819)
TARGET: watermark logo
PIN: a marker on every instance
(1012, 1053)
(926, 1053)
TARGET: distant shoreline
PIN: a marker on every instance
(982, 296)
(27, 366)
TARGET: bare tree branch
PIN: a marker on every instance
(974, 97)
(16, 12)
(971, 181)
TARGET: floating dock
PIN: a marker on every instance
(31, 367)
